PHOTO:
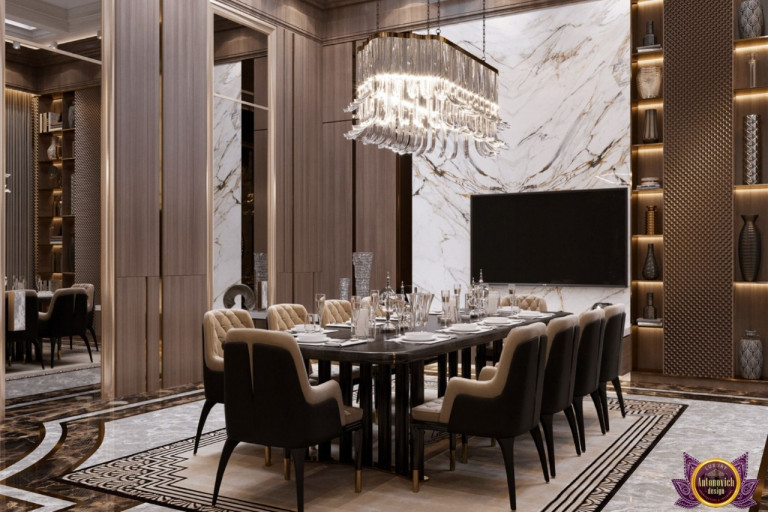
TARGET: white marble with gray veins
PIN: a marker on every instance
(227, 180)
(564, 90)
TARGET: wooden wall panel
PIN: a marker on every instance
(185, 300)
(304, 289)
(131, 336)
(376, 210)
(338, 81)
(298, 15)
(284, 155)
(137, 139)
(307, 168)
(21, 77)
(337, 231)
(184, 138)
(154, 381)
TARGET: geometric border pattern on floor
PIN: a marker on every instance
(152, 476)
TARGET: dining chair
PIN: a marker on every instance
(90, 292)
(270, 402)
(27, 336)
(336, 312)
(591, 328)
(503, 405)
(615, 316)
(281, 317)
(216, 324)
(559, 375)
(527, 302)
(66, 316)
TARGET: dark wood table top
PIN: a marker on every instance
(384, 350)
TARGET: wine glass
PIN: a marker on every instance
(319, 307)
(356, 303)
(511, 290)
(375, 303)
(445, 297)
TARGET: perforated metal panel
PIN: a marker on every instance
(698, 188)
(86, 188)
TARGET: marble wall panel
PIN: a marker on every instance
(227, 179)
(564, 90)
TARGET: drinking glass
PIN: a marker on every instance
(356, 303)
(445, 297)
(319, 307)
(375, 303)
(400, 309)
(512, 298)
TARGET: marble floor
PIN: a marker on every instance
(48, 435)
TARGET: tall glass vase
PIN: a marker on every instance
(749, 248)
(363, 262)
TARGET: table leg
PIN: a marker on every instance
(480, 359)
(442, 374)
(345, 380)
(417, 383)
(466, 362)
(453, 364)
(365, 392)
(324, 375)
(384, 412)
(402, 419)
(497, 346)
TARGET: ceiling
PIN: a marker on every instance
(53, 20)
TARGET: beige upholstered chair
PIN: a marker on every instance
(281, 317)
(528, 302)
(216, 324)
(89, 291)
(367, 302)
(336, 312)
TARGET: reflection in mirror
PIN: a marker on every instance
(53, 155)
(239, 159)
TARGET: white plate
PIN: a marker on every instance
(420, 336)
(312, 337)
(464, 327)
(530, 314)
(496, 320)
(304, 328)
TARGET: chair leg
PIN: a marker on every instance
(298, 463)
(574, 429)
(417, 456)
(70, 343)
(287, 464)
(226, 452)
(507, 450)
(601, 390)
(95, 341)
(536, 434)
(87, 345)
(358, 442)
(578, 408)
(267, 456)
(452, 450)
(207, 406)
(546, 423)
(53, 349)
(595, 396)
(464, 449)
(617, 386)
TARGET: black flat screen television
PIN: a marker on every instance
(564, 238)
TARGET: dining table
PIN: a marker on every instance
(387, 353)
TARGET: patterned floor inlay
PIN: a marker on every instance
(170, 475)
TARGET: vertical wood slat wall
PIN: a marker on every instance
(698, 182)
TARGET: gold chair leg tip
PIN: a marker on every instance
(415, 478)
(358, 480)
(267, 456)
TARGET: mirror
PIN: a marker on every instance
(240, 141)
(53, 155)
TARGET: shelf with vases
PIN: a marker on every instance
(648, 238)
(648, 146)
(750, 44)
(648, 103)
(750, 92)
(760, 187)
(648, 191)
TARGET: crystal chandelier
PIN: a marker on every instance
(420, 93)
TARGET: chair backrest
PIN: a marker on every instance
(615, 316)
(89, 290)
(281, 317)
(60, 316)
(592, 327)
(269, 398)
(560, 372)
(366, 302)
(80, 314)
(30, 313)
(216, 324)
(336, 311)
(511, 404)
(528, 302)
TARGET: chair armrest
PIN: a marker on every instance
(487, 373)
(329, 390)
(460, 386)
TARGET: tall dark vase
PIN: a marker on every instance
(650, 268)
(749, 248)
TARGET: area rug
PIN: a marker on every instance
(171, 476)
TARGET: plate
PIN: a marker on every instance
(312, 337)
(529, 314)
(496, 320)
(464, 327)
(420, 336)
(304, 328)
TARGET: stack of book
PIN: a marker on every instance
(49, 121)
(651, 183)
(649, 322)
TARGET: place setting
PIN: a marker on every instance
(424, 337)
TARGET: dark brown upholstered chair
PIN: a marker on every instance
(562, 348)
(615, 317)
(29, 335)
(270, 402)
(591, 326)
(90, 291)
(66, 316)
(216, 324)
(505, 404)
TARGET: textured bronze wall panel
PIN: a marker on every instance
(698, 188)
(86, 188)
